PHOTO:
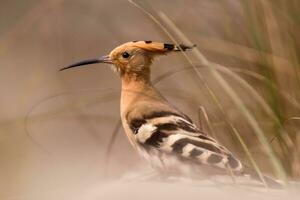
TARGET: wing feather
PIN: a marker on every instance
(176, 134)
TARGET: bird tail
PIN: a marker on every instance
(266, 180)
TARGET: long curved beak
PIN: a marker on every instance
(103, 59)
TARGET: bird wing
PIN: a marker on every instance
(176, 134)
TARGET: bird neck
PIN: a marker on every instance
(134, 81)
(137, 90)
(138, 76)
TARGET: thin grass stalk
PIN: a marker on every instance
(211, 132)
(110, 145)
(210, 128)
(295, 153)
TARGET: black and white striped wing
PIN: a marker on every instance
(176, 134)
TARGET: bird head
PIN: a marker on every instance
(133, 59)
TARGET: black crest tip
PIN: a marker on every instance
(186, 47)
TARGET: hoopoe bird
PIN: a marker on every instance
(163, 135)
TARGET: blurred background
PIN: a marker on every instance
(60, 130)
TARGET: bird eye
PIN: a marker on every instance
(125, 55)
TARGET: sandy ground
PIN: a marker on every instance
(188, 190)
(133, 187)
(116, 190)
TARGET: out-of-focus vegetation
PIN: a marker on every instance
(271, 33)
(59, 125)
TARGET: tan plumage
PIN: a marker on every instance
(162, 134)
